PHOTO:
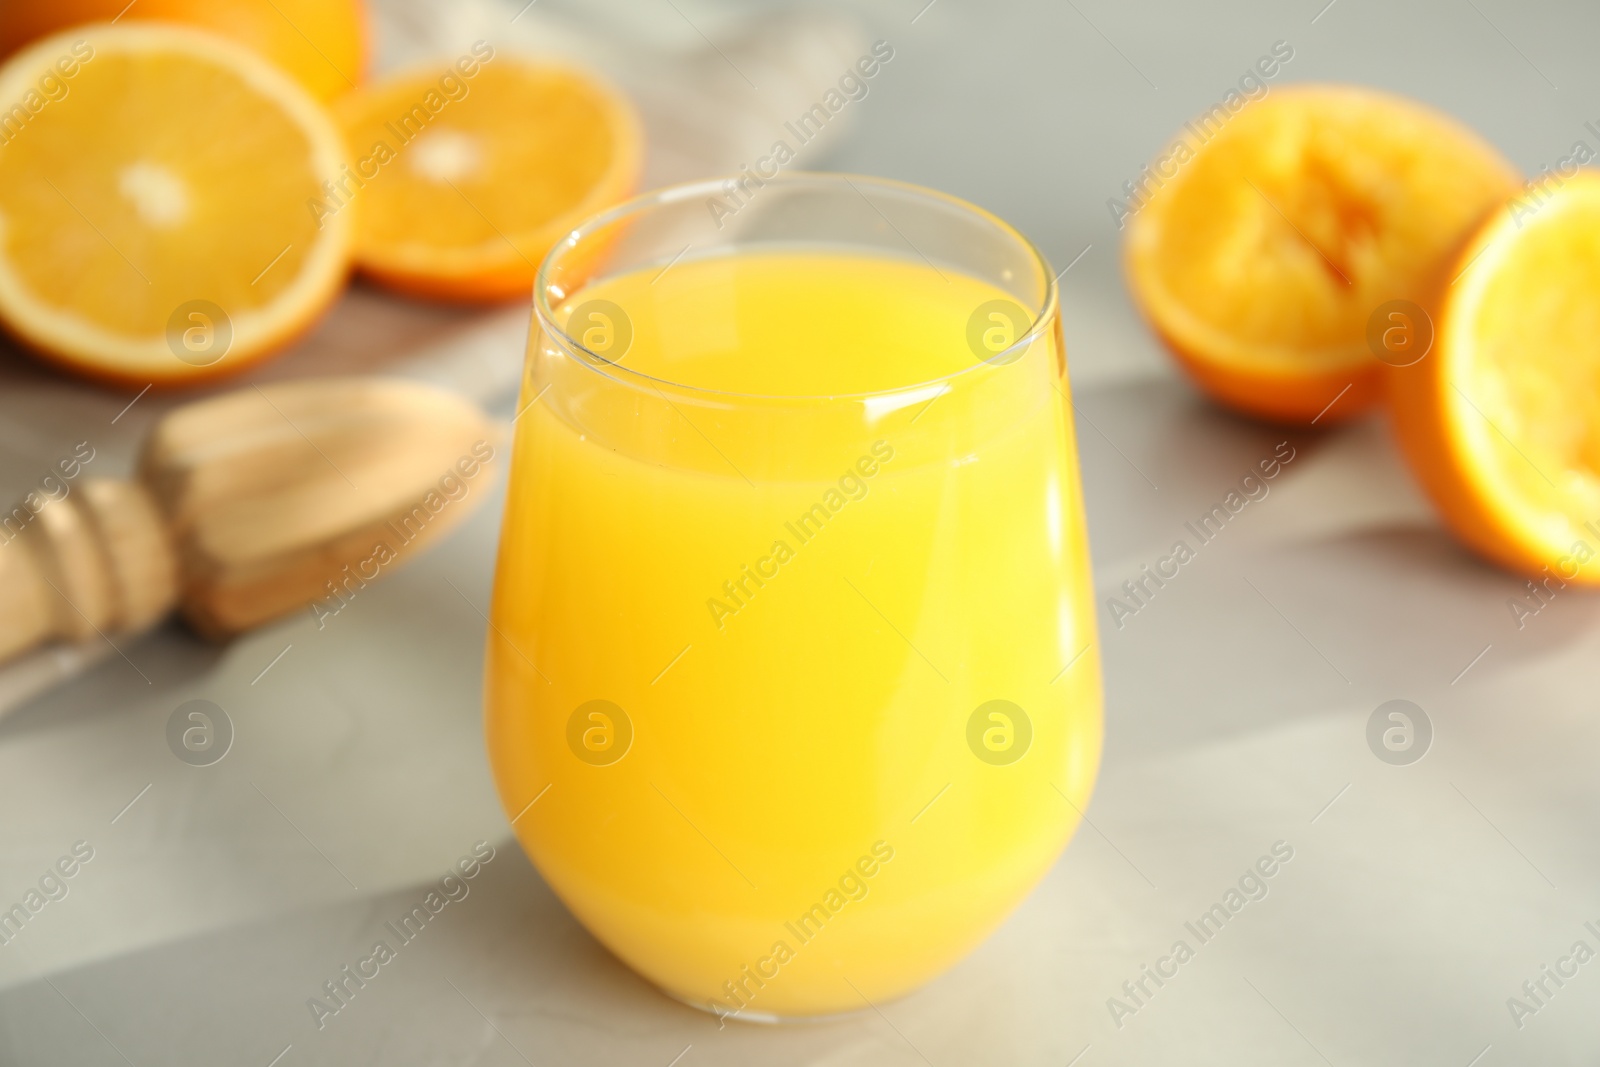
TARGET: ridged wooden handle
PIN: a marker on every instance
(94, 562)
(249, 505)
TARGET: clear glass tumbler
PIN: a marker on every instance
(792, 693)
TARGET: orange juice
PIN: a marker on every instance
(792, 625)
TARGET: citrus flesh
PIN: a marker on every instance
(465, 180)
(173, 174)
(1269, 243)
(1501, 423)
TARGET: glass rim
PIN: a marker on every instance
(544, 315)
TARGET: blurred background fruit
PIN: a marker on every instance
(467, 171)
(1501, 422)
(1266, 242)
(321, 43)
(155, 218)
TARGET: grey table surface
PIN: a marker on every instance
(1420, 897)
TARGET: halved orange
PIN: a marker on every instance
(466, 174)
(1501, 421)
(153, 204)
(1271, 233)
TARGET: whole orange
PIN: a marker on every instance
(321, 43)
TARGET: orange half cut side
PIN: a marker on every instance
(1271, 235)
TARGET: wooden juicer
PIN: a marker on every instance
(246, 506)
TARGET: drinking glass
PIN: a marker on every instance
(792, 693)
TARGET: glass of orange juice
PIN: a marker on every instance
(792, 693)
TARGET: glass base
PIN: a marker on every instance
(762, 1018)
